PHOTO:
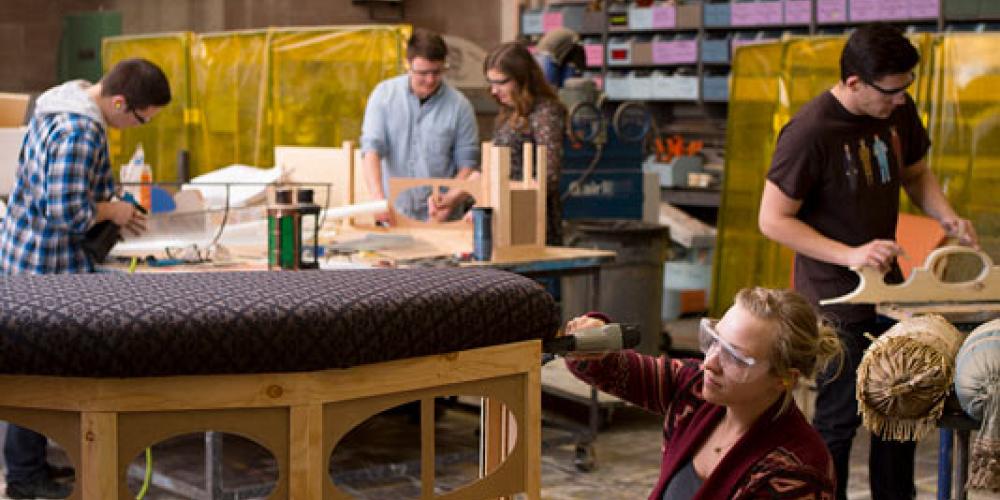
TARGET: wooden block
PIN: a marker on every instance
(524, 225)
(13, 108)
(330, 166)
(686, 230)
(99, 461)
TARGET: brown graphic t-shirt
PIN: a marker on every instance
(846, 170)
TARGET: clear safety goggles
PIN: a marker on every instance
(736, 364)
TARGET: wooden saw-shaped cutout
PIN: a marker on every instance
(923, 286)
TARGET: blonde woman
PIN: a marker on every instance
(731, 428)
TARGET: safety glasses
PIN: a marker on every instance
(895, 91)
(430, 72)
(734, 363)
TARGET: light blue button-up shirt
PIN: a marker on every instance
(435, 139)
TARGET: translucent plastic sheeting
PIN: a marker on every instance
(168, 132)
(321, 80)
(238, 94)
(956, 92)
(965, 126)
(229, 96)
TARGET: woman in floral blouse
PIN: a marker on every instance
(530, 112)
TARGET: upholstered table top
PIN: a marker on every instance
(134, 325)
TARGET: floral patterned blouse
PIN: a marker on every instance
(546, 126)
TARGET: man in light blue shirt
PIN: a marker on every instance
(416, 125)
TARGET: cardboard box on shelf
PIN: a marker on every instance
(13, 108)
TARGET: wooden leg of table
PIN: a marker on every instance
(497, 440)
(533, 437)
(99, 455)
(427, 447)
(491, 436)
(306, 470)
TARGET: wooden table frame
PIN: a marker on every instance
(103, 423)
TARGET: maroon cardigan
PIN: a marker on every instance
(777, 458)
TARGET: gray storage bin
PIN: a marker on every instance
(531, 22)
(573, 17)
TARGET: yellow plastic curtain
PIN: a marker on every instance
(956, 92)
(238, 94)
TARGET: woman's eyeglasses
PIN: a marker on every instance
(502, 81)
(734, 362)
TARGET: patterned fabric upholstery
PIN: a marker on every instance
(121, 325)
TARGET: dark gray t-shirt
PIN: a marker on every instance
(684, 485)
(846, 170)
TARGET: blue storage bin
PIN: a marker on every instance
(715, 87)
(717, 14)
(715, 50)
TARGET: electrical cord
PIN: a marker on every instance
(148, 476)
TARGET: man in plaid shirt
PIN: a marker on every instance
(63, 187)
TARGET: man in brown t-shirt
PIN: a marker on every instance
(832, 196)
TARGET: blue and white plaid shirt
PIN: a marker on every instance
(62, 170)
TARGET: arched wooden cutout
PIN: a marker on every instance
(924, 285)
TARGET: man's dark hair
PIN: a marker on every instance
(141, 82)
(426, 44)
(877, 50)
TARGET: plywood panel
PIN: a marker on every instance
(332, 166)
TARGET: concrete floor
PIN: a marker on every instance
(628, 457)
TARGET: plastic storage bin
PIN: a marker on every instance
(925, 9)
(640, 18)
(717, 14)
(616, 85)
(531, 22)
(831, 11)
(715, 49)
(681, 48)
(798, 11)
(619, 52)
(715, 87)
(689, 15)
(757, 13)
(593, 52)
(664, 16)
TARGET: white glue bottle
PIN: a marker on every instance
(138, 177)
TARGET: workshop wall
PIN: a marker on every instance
(29, 40)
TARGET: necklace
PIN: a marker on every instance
(725, 445)
(728, 443)
(718, 449)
